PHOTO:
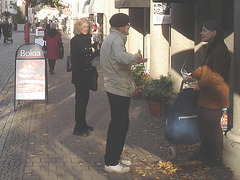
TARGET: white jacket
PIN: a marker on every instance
(116, 64)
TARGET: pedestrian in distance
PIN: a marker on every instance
(53, 41)
(0, 28)
(6, 30)
(116, 63)
(213, 89)
(48, 26)
(82, 53)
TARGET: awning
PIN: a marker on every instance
(132, 4)
(146, 3)
(176, 1)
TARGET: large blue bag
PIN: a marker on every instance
(182, 122)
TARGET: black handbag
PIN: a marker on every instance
(61, 51)
(94, 77)
(69, 63)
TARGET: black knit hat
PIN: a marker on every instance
(119, 20)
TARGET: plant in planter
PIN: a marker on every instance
(141, 78)
(158, 92)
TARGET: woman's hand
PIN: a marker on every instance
(186, 78)
(197, 88)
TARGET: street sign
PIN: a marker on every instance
(39, 40)
(161, 13)
(30, 73)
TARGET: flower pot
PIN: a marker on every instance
(137, 95)
(155, 108)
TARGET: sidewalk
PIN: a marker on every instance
(39, 145)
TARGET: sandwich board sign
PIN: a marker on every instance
(30, 73)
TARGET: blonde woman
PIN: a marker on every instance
(82, 56)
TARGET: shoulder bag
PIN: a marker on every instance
(94, 78)
(69, 63)
(61, 51)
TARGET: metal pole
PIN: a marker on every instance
(26, 27)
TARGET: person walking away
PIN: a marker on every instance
(6, 30)
(119, 84)
(34, 27)
(48, 26)
(213, 89)
(82, 57)
(0, 28)
(53, 40)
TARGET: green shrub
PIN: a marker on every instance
(159, 90)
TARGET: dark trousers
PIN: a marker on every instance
(118, 128)
(51, 63)
(81, 98)
(210, 132)
(5, 39)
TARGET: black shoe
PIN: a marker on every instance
(83, 133)
(89, 128)
(51, 72)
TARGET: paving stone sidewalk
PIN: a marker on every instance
(38, 144)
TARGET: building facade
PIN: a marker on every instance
(169, 45)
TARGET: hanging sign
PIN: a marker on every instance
(161, 13)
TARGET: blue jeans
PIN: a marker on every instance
(118, 128)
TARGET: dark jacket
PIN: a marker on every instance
(82, 55)
(213, 77)
(53, 39)
(0, 30)
(6, 29)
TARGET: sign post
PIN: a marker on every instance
(161, 14)
(30, 74)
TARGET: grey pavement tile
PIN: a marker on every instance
(118, 176)
(48, 177)
(66, 177)
(31, 177)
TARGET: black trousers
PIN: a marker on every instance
(81, 98)
(51, 63)
(5, 39)
(211, 132)
(118, 128)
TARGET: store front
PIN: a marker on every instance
(172, 43)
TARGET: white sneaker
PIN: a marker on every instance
(117, 169)
(125, 162)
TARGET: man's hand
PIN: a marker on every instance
(139, 55)
(140, 58)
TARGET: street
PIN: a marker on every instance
(38, 144)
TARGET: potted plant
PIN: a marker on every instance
(141, 77)
(158, 92)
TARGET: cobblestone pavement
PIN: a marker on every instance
(7, 57)
(38, 144)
